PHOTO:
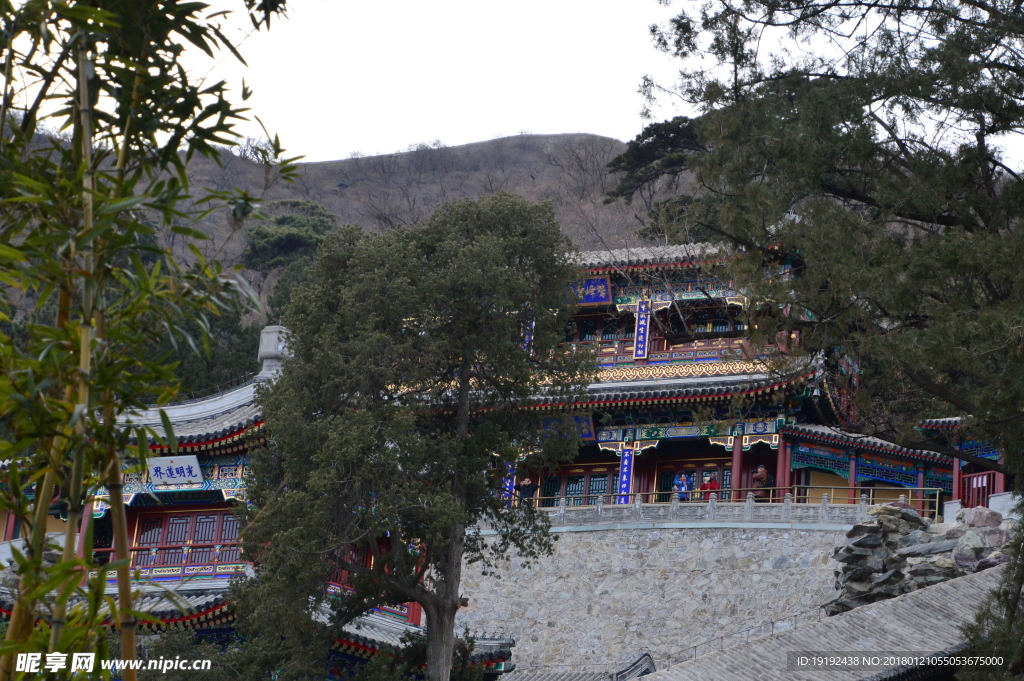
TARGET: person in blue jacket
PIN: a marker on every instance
(681, 484)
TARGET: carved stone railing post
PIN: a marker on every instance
(824, 507)
(748, 512)
(903, 498)
(600, 508)
(787, 506)
(560, 513)
(673, 511)
(862, 507)
(712, 500)
(637, 507)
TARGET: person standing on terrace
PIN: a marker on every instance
(762, 480)
(681, 484)
(527, 488)
(711, 484)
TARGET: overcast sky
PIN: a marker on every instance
(338, 77)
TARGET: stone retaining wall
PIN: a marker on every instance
(607, 595)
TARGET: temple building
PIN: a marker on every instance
(673, 366)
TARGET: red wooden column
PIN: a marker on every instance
(781, 466)
(852, 482)
(787, 466)
(737, 465)
(9, 528)
(920, 492)
(958, 484)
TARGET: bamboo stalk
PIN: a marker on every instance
(124, 588)
(126, 620)
(85, 339)
(21, 621)
(5, 105)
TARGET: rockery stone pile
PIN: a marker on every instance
(898, 551)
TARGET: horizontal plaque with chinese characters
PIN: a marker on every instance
(174, 470)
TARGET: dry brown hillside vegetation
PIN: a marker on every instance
(392, 190)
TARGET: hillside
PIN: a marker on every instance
(383, 192)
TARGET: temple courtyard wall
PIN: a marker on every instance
(607, 596)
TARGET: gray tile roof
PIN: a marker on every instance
(545, 675)
(207, 419)
(211, 427)
(926, 621)
(951, 422)
(215, 426)
(375, 630)
(171, 605)
(646, 255)
(864, 442)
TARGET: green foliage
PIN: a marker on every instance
(225, 664)
(232, 349)
(80, 221)
(998, 626)
(294, 230)
(292, 277)
(395, 419)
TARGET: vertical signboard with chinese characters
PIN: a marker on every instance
(626, 451)
(625, 476)
(174, 470)
(508, 483)
(643, 327)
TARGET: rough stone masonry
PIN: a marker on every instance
(606, 596)
(897, 551)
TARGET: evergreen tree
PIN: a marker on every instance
(417, 354)
(888, 246)
(861, 191)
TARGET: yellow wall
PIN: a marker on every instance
(886, 493)
(52, 524)
(838, 488)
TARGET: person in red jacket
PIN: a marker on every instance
(711, 484)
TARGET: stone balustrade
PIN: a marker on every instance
(713, 510)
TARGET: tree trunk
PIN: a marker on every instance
(441, 639)
(441, 613)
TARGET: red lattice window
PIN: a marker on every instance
(186, 538)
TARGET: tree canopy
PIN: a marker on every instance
(416, 356)
(868, 183)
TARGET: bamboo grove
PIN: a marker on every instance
(101, 118)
